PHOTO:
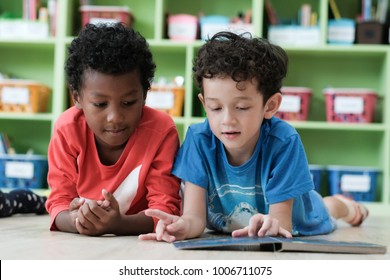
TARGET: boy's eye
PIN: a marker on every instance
(215, 108)
(129, 103)
(242, 108)
(97, 104)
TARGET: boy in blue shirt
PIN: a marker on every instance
(245, 171)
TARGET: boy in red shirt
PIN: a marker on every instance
(110, 156)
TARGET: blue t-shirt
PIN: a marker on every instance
(277, 171)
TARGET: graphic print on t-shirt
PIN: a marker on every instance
(127, 190)
(231, 206)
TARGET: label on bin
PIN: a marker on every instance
(108, 21)
(290, 103)
(160, 99)
(355, 183)
(15, 95)
(348, 105)
(19, 169)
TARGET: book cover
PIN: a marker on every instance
(280, 244)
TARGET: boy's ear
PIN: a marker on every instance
(201, 98)
(76, 98)
(272, 105)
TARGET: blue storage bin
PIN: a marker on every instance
(316, 172)
(341, 31)
(209, 25)
(357, 182)
(23, 171)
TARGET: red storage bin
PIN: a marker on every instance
(356, 105)
(182, 27)
(105, 14)
(295, 103)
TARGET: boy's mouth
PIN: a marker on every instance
(230, 132)
(115, 131)
(231, 135)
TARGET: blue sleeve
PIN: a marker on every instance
(285, 173)
(190, 163)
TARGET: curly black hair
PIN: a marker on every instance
(242, 57)
(112, 49)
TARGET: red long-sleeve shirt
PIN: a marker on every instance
(140, 179)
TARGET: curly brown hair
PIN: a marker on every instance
(242, 57)
(112, 49)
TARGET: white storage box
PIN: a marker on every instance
(294, 35)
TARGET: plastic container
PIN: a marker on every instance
(295, 103)
(294, 35)
(23, 96)
(317, 172)
(182, 27)
(105, 14)
(209, 25)
(167, 99)
(341, 31)
(356, 105)
(360, 183)
(23, 171)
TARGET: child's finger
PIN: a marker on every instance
(76, 203)
(168, 238)
(167, 218)
(256, 222)
(147, 236)
(109, 200)
(285, 232)
(240, 232)
(269, 227)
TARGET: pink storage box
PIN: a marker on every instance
(356, 105)
(182, 27)
(295, 103)
(105, 14)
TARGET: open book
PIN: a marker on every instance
(280, 244)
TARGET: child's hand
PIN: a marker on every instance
(262, 225)
(93, 219)
(169, 228)
(105, 204)
(74, 207)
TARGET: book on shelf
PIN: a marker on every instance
(279, 244)
(4, 143)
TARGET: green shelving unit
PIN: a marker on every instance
(312, 66)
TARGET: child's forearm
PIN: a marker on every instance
(133, 225)
(64, 222)
(196, 226)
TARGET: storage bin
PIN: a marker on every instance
(15, 29)
(23, 96)
(360, 183)
(294, 35)
(106, 14)
(371, 32)
(316, 172)
(209, 25)
(295, 103)
(167, 99)
(23, 171)
(341, 31)
(355, 105)
(182, 27)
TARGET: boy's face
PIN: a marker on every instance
(235, 115)
(112, 106)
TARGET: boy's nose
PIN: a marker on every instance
(114, 116)
(228, 117)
